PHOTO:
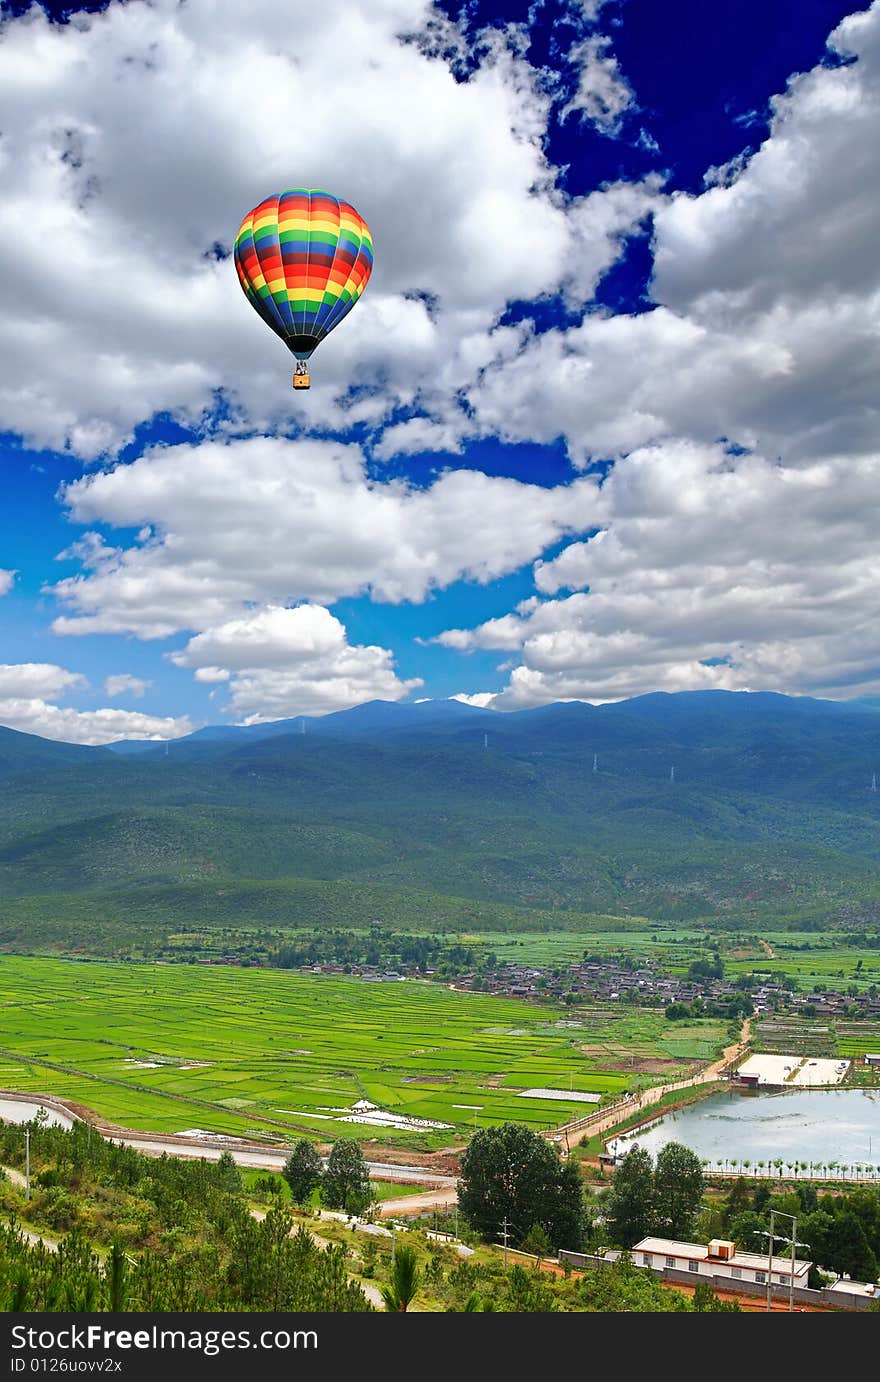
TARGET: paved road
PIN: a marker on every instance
(269, 1159)
(19, 1110)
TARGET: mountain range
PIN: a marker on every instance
(729, 805)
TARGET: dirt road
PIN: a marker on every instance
(601, 1123)
(16, 1178)
(416, 1204)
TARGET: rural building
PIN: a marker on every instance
(727, 1269)
(750, 1081)
(721, 1258)
(872, 1060)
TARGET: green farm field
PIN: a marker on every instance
(168, 1048)
(666, 945)
(828, 963)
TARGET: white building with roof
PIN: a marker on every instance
(720, 1258)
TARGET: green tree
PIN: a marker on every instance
(303, 1170)
(622, 1288)
(848, 1249)
(738, 1201)
(678, 1189)
(511, 1175)
(629, 1207)
(400, 1295)
(536, 1242)
(743, 1228)
(115, 1276)
(228, 1174)
(705, 1300)
(346, 1183)
(677, 1012)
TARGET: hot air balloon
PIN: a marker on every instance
(303, 260)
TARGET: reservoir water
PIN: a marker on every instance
(818, 1125)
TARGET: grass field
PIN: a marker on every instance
(169, 1048)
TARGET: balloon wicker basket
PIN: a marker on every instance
(301, 381)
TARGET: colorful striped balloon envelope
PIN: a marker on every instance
(303, 260)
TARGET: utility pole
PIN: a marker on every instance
(27, 1163)
(595, 762)
(485, 741)
(873, 782)
(393, 1244)
(794, 1244)
(505, 1240)
(672, 773)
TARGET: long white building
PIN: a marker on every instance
(719, 1258)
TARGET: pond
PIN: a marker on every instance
(818, 1125)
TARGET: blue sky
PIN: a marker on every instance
(604, 421)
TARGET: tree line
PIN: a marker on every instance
(151, 1234)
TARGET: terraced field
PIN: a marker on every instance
(830, 965)
(169, 1048)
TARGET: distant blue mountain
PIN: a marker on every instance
(20, 752)
(664, 805)
(685, 717)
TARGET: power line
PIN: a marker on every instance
(794, 1243)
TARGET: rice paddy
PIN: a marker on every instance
(167, 1048)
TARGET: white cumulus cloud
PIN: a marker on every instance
(603, 94)
(135, 139)
(282, 662)
(767, 323)
(35, 716)
(710, 570)
(27, 694)
(124, 684)
(267, 521)
(38, 679)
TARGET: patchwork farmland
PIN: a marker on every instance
(169, 1048)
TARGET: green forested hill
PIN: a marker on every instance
(770, 811)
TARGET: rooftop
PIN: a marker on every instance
(751, 1261)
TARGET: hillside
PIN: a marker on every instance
(769, 811)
